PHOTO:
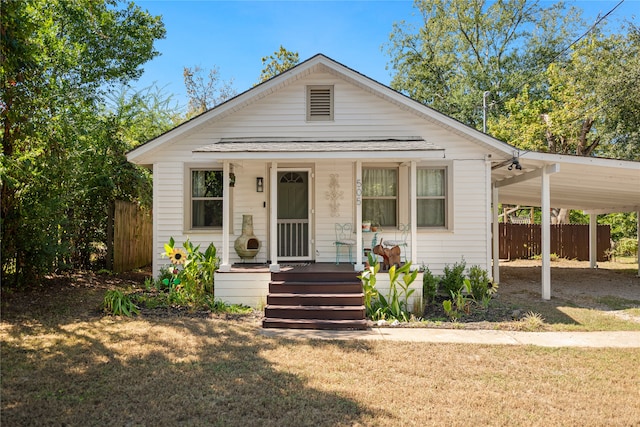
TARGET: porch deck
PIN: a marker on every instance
(295, 267)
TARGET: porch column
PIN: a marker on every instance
(593, 240)
(413, 213)
(546, 234)
(273, 215)
(359, 265)
(226, 202)
(495, 233)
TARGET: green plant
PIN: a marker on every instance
(395, 304)
(429, 286)
(453, 278)
(368, 278)
(118, 303)
(479, 282)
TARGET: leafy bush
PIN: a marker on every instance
(453, 279)
(626, 247)
(479, 282)
(429, 286)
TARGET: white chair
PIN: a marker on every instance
(344, 238)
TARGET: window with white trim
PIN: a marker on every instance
(320, 103)
(206, 198)
(432, 197)
(380, 196)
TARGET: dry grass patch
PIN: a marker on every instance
(190, 371)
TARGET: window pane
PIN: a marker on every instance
(206, 213)
(379, 182)
(430, 182)
(431, 213)
(380, 211)
(206, 184)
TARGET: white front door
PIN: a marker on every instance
(294, 225)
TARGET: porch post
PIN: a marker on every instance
(413, 174)
(546, 235)
(226, 202)
(593, 240)
(273, 215)
(359, 265)
(495, 233)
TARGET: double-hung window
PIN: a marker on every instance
(380, 195)
(206, 198)
(432, 197)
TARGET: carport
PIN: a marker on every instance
(593, 185)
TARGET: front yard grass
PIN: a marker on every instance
(202, 371)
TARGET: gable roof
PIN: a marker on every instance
(596, 184)
(322, 63)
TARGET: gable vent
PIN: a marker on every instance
(319, 103)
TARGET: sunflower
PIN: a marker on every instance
(178, 256)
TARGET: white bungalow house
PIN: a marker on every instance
(322, 144)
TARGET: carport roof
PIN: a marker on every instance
(594, 185)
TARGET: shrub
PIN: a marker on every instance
(453, 279)
(429, 286)
(479, 282)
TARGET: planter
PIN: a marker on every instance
(366, 225)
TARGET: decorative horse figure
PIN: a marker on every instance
(390, 256)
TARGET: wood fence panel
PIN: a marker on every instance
(132, 237)
(570, 241)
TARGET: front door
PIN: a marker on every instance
(294, 242)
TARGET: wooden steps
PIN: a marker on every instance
(315, 300)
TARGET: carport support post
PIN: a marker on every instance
(546, 235)
(593, 240)
(496, 234)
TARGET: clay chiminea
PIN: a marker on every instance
(247, 245)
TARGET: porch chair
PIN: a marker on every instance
(400, 240)
(344, 238)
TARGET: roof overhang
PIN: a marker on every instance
(374, 148)
(593, 185)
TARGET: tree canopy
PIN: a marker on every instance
(280, 61)
(63, 152)
(467, 47)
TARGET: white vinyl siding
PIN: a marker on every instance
(319, 103)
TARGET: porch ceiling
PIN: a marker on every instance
(594, 185)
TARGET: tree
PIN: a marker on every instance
(205, 92)
(57, 59)
(279, 62)
(465, 48)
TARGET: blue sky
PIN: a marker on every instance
(235, 35)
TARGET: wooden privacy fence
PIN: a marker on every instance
(132, 237)
(567, 241)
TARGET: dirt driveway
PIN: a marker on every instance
(572, 280)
